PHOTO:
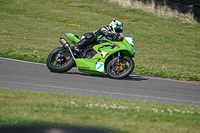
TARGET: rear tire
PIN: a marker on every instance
(121, 70)
(59, 63)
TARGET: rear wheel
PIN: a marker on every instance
(121, 68)
(60, 60)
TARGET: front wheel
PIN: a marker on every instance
(60, 60)
(120, 68)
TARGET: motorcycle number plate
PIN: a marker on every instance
(100, 66)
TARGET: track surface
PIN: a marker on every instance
(22, 75)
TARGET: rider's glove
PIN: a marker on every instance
(115, 38)
(119, 34)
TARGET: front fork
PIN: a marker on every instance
(118, 55)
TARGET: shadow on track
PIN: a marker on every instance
(130, 77)
(51, 129)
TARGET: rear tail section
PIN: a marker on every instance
(72, 38)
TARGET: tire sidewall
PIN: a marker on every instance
(196, 10)
(196, 2)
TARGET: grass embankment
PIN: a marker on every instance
(39, 108)
(164, 47)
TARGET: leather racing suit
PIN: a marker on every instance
(90, 38)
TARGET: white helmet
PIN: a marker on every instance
(116, 26)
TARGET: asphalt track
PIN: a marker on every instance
(23, 75)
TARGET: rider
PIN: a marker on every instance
(112, 31)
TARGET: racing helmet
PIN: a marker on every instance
(116, 26)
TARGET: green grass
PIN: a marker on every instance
(164, 47)
(39, 108)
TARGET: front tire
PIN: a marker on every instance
(59, 60)
(121, 69)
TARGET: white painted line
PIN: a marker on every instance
(168, 79)
(102, 92)
(26, 62)
(22, 61)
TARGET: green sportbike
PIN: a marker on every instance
(106, 56)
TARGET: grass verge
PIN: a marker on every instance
(164, 47)
(39, 108)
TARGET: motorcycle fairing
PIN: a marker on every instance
(96, 65)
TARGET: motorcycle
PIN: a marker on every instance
(106, 56)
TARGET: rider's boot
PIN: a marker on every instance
(76, 49)
(79, 45)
